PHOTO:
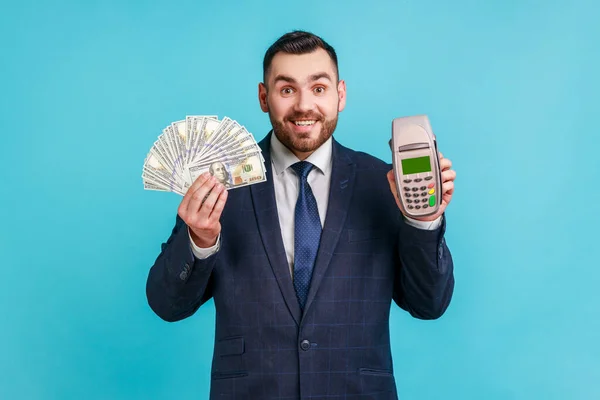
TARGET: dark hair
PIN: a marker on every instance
(298, 42)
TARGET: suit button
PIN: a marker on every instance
(305, 345)
(183, 275)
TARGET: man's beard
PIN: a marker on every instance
(298, 142)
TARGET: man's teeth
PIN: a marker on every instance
(304, 123)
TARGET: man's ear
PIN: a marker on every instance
(262, 97)
(341, 95)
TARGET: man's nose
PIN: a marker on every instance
(305, 101)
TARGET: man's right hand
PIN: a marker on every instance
(201, 209)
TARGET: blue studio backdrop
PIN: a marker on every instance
(511, 89)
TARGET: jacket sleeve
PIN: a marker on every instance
(424, 281)
(178, 283)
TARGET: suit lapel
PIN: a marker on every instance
(340, 191)
(265, 208)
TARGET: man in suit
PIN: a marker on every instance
(303, 267)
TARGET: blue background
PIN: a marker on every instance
(511, 88)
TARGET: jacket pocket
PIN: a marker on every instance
(230, 362)
(380, 383)
(231, 346)
(375, 372)
(229, 375)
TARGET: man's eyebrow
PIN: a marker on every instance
(313, 77)
(284, 78)
(320, 75)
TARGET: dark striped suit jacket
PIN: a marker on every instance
(339, 347)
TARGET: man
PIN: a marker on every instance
(303, 267)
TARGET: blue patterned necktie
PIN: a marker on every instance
(307, 233)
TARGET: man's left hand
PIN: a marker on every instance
(448, 176)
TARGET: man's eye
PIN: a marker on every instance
(320, 90)
(286, 90)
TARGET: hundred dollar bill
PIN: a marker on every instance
(233, 153)
(155, 162)
(171, 162)
(150, 177)
(167, 143)
(234, 137)
(155, 176)
(243, 139)
(161, 151)
(192, 124)
(232, 173)
(226, 134)
(161, 172)
(209, 138)
(178, 136)
(202, 131)
(191, 121)
(233, 144)
(152, 186)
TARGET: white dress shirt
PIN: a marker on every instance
(286, 185)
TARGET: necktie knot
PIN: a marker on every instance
(302, 168)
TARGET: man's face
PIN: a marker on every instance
(218, 171)
(303, 99)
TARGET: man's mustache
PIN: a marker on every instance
(306, 116)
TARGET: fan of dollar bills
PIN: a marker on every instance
(188, 148)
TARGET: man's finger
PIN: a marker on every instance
(392, 182)
(210, 201)
(192, 189)
(215, 215)
(199, 196)
(445, 164)
(449, 175)
(390, 177)
(393, 187)
(448, 187)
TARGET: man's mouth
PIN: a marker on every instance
(305, 122)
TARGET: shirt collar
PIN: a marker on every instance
(283, 158)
